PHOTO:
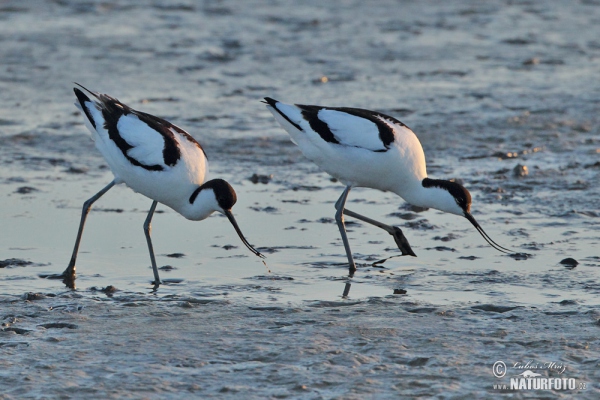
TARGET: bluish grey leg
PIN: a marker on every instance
(339, 218)
(70, 271)
(147, 229)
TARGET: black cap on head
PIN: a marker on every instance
(458, 191)
(224, 193)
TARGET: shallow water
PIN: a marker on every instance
(487, 88)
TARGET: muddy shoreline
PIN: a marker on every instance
(502, 95)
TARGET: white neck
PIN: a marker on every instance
(430, 197)
(204, 205)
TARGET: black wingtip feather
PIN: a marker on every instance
(270, 101)
(83, 98)
(86, 89)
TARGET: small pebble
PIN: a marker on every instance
(569, 262)
(520, 171)
(256, 178)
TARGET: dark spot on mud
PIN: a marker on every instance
(294, 201)
(58, 325)
(568, 303)
(18, 331)
(167, 268)
(268, 209)
(175, 255)
(447, 238)
(421, 224)
(229, 247)
(75, 170)
(326, 220)
(520, 256)
(400, 291)
(30, 296)
(569, 263)
(411, 208)
(532, 61)
(441, 248)
(407, 216)
(256, 178)
(115, 210)
(110, 289)
(26, 190)
(520, 171)
(518, 41)
(272, 278)
(171, 281)
(268, 250)
(470, 258)
(594, 165)
(421, 310)
(14, 262)
(418, 362)
(493, 308)
(305, 188)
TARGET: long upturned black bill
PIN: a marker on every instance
(240, 234)
(485, 235)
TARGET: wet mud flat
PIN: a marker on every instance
(503, 96)
(131, 346)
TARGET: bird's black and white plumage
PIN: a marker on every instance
(369, 149)
(154, 158)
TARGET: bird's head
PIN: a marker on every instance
(218, 195)
(454, 198)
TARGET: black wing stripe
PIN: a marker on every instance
(171, 153)
(386, 133)
(112, 111)
(311, 115)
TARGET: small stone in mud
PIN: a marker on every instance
(14, 262)
(175, 255)
(532, 61)
(256, 178)
(167, 268)
(520, 171)
(470, 258)
(568, 303)
(33, 296)
(399, 291)
(569, 262)
(109, 289)
(26, 190)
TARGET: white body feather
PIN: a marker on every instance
(173, 185)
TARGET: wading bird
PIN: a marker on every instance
(363, 148)
(154, 158)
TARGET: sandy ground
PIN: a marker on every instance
(489, 89)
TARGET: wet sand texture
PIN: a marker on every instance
(502, 94)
